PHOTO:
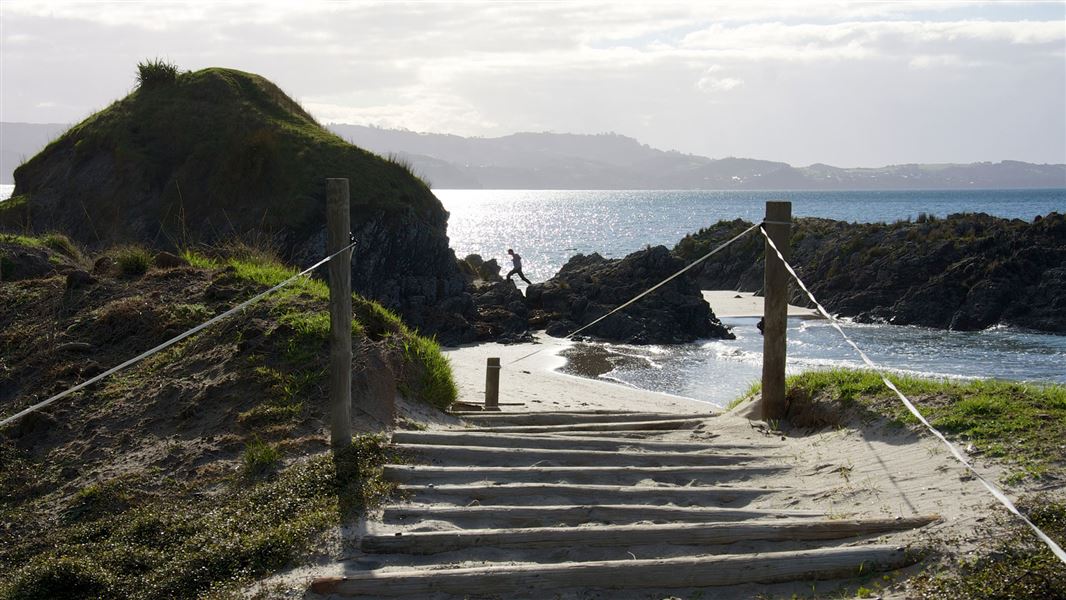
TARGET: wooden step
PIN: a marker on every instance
(572, 418)
(550, 516)
(686, 572)
(686, 534)
(532, 440)
(523, 457)
(624, 475)
(657, 425)
(561, 493)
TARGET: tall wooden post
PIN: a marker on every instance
(338, 225)
(492, 384)
(775, 310)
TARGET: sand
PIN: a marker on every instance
(861, 470)
(727, 303)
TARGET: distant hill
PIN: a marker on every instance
(612, 161)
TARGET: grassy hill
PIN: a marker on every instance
(197, 159)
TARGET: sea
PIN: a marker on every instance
(547, 227)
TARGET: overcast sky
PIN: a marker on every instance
(849, 84)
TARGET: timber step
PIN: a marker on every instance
(621, 475)
(558, 515)
(533, 440)
(687, 534)
(686, 572)
(657, 425)
(573, 418)
(519, 456)
(542, 493)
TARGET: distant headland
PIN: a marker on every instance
(609, 161)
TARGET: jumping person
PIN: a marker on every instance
(517, 261)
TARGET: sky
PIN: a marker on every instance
(843, 83)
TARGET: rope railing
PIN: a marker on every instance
(634, 299)
(172, 341)
(995, 491)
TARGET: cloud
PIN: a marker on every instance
(638, 68)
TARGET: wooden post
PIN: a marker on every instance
(338, 224)
(492, 384)
(775, 311)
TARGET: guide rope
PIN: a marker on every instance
(173, 340)
(995, 491)
(651, 289)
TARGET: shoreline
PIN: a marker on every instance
(530, 375)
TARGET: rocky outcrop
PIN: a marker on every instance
(588, 287)
(501, 313)
(965, 272)
(217, 155)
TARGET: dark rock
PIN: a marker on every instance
(588, 287)
(501, 311)
(24, 262)
(966, 272)
(485, 270)
(166, 260)
(78, 278)
(102, 265)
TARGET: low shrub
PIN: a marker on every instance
(133, 261)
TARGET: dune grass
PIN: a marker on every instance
(177, 545)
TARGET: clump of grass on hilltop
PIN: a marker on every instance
(155, 72)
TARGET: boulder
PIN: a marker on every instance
(590, 286)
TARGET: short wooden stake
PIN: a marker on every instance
(492, 384)
(775, 311)
(338, 224)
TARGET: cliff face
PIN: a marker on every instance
(220, 154)
(965, 272)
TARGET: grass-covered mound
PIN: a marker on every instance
(1018, 426)
(194, 158)
(201, 467)
(201, 156)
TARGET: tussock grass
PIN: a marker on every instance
(156, 71)
(133, 261)
(259, 458)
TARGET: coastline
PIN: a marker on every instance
(530, 375)
(557, 374)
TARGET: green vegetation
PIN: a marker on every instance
(156, 72)
(224, 154)
(260, 458)
(224, 478)
(133, 261)
(171, 545)
(1017, 565)
(1021, 424)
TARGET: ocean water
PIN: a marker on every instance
(547, 227)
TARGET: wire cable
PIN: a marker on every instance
(995, 491)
